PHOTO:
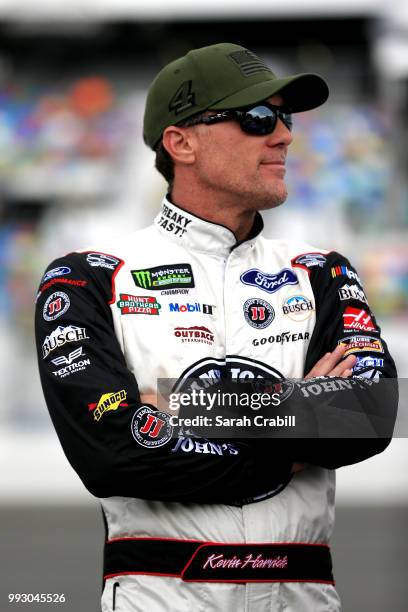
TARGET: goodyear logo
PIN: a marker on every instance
(107, 402)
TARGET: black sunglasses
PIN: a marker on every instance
(257, 120)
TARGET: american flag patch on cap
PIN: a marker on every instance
(249, 63)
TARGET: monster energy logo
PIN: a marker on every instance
(178, 275)
(142, 278)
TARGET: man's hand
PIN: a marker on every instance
(329, 364)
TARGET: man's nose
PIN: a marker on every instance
(280, 135)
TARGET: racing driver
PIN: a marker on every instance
(195, 522)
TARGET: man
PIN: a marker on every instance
(196, 523)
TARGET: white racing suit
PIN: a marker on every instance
(183, 299)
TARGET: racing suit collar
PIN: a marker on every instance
(199, 234)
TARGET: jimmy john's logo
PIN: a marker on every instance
(164, 277)
(207, 372)
(138, 304)
(108, 402)
(151, 428)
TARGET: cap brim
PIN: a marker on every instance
(301, 92)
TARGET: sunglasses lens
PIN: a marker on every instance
(259, 120)
(262, 120)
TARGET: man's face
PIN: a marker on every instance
(247, 170)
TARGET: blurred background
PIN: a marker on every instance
(73, 168)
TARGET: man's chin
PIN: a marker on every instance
(275, 199)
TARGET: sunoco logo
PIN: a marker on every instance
(164, 277)
(108, 402)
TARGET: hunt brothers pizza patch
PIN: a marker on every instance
(138, 304)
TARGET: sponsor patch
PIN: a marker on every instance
(194, 334)
(269, 282)
(175, 292)
(102, 260)
(61, 271)
(63, 360)
(309, 260)
(258, 313)
(164, 277)
(56, 305)
(356, 344)
(282, 338)
(60, 336)
(191, 307)
(368, 362)
(357, 319)
(71, 364)
(352, 292)
(208, 372)
(66, 281)
(345, 271)
(138, 304)
(362, 363)
(207, 447)
(151, 428)
(107, 403)
(173, 221)
(297, 307)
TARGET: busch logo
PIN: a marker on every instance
(60, 336)
(297, 307)
(352, 292)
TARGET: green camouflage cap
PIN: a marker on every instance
(221, 76)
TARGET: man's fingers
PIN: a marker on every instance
(344, 368)
(326, 364)
(333, 364)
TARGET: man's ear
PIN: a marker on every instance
(178, 142)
